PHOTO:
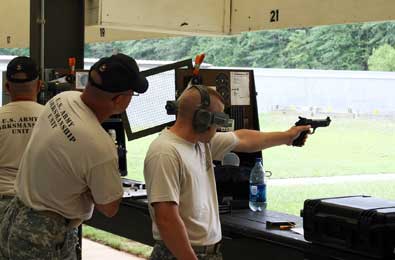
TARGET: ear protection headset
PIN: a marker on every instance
(203, 119)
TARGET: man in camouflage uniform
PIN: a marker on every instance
(179, 175)
(44, 236)
(17, 119)
(70, 165)
(160, 251)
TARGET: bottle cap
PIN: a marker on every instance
(113, 134)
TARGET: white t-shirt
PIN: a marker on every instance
(17, 120)
(69, 160)
(182, 172)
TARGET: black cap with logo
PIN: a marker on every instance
(119, 73)
(22, 69)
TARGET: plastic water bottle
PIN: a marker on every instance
(257, 187)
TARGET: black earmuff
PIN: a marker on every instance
(171, 107)
(202, 117)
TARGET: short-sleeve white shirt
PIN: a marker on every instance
(70, 161)
(17, 120)
(182, 172)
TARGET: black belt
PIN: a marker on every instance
(6, 196)
(210, 249)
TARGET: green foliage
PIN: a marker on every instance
(338, 47)
(15, 51)
(383, 59)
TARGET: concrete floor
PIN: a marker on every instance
(95, 251)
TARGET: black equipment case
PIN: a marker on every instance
(360, 224)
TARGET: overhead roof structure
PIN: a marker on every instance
(109, 20)
(15, 27)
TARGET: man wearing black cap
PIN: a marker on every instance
(17, 119)
(70, 165)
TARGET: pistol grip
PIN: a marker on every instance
(299, 141)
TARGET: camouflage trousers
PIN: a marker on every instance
(4, 201)
(29, 234)
(161, 252)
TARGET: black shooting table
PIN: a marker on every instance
(244, 234)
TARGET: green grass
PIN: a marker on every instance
(135, 156)
(291, 198)
(348, 146)
(116, 242)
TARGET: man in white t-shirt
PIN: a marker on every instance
(70, 165)
(17, 119)
(180, 179)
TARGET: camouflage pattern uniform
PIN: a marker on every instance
(4, 201)
(28, 234)
(161, 252)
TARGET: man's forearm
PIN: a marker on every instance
(253, 141)
(174, 235)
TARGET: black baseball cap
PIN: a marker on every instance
(22, 64)
(119, 73)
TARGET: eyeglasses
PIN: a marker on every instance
(133, 94)
(127, 94)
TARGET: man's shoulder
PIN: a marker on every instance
(65, 95)
(25, 107)
(95, 145)
(162, 145)
(70, 93)
(35, 106)
(94, 136)
(6, 108)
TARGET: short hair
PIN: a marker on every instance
(212, 92)
(24, 88)
(187, 106)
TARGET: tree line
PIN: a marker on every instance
(365, 46)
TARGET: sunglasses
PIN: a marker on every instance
(133, 94)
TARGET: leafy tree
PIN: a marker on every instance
(298, 51)
(382, 59)
(15, 51)
(339, 47)
(267, 48)
(219, 50)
